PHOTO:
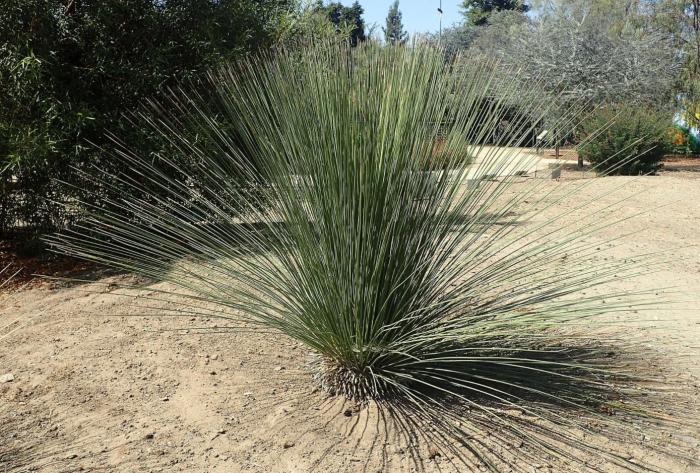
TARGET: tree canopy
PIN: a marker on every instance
(477, 12)
(70, 68)
(599, 51)
(342, 16)
(393, 31)
(584, 57)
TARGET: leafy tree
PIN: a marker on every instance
(691, 76)
(307, 24)
(583, 58)
(677, 22)
(483, 34)
(478, 12)
(455, 39)
(69, 68)
(394, 32)
(681, 20)
(504, 27)
(578, 51)
(346, 17)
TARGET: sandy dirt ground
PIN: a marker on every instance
(86, 388)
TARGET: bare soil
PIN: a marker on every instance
(95, 389)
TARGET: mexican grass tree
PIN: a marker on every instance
(416, 285)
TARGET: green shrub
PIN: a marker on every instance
(69, 70)
(628, 140)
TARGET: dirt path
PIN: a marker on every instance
(96, 391)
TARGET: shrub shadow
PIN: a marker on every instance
(541, 411)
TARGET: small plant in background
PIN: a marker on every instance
(683, 141)
(417, 284)
(628, 140)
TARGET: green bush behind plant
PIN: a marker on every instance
(627, 140)
(69, 71)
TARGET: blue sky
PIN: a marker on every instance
(419, 16)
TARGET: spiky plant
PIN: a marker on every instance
(415, 286)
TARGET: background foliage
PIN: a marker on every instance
(579, 50)
(592, 52)
(344, 17)
(478, 12)
(626, 139)
(69, 69)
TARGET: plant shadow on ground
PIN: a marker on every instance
(28, 267)
(66, 271)
(486, 220)
(238, 234)
(672, 165)
(524, 418)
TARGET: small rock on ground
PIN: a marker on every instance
(6, 378)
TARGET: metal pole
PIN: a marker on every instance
(440, 12)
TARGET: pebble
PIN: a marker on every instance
(288, 444)
(6, 378)
(433, 453)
